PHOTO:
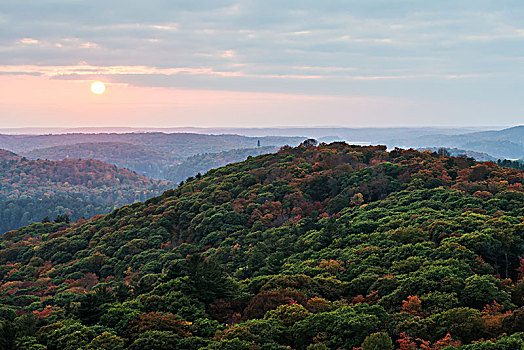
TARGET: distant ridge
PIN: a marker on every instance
(316, 131)
(506, 143)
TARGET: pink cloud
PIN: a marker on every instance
(90, 70)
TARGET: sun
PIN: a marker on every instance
(98, 87)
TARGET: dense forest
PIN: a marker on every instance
(314, 247)
(31, 190)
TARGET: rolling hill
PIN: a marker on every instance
(313, 247)
(143, 160)
(31, 190)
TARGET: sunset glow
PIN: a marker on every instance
(396, 65)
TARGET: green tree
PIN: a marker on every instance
(155, 340)
(288, 315)
(106, 341)
(377, 341)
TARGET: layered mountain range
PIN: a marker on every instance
(149, 154)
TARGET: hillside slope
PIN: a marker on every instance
(31, 190)
(312, 247)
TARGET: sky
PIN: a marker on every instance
(353, 63)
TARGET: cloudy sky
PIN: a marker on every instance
(262, 63)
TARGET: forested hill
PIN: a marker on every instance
(324, 247)
(31, 190)
(144, 160)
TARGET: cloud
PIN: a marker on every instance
(77, 71)
(166, 26)
(29, 41)
(444, 50)
(417, 76)
(81, 71)
(90, 70)
(89, 45)
(228, 54)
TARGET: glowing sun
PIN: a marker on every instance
(98, 87)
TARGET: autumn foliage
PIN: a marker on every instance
(313, 247)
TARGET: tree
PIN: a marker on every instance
(155, 340)
(308, 143)
(482, 290)
(207, 280)
(412, 306)
(377, 341)
(462, 323)
(63, 218)
(155, 321)
(288, 315)
(346, 327)
(268, 300)
(29, 343)
(70, 335)
(106, 341)
(443, 152)
(7, 336)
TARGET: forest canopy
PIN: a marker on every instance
(313, 247)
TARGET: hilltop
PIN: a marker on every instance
(7, 155)
(317, 247)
